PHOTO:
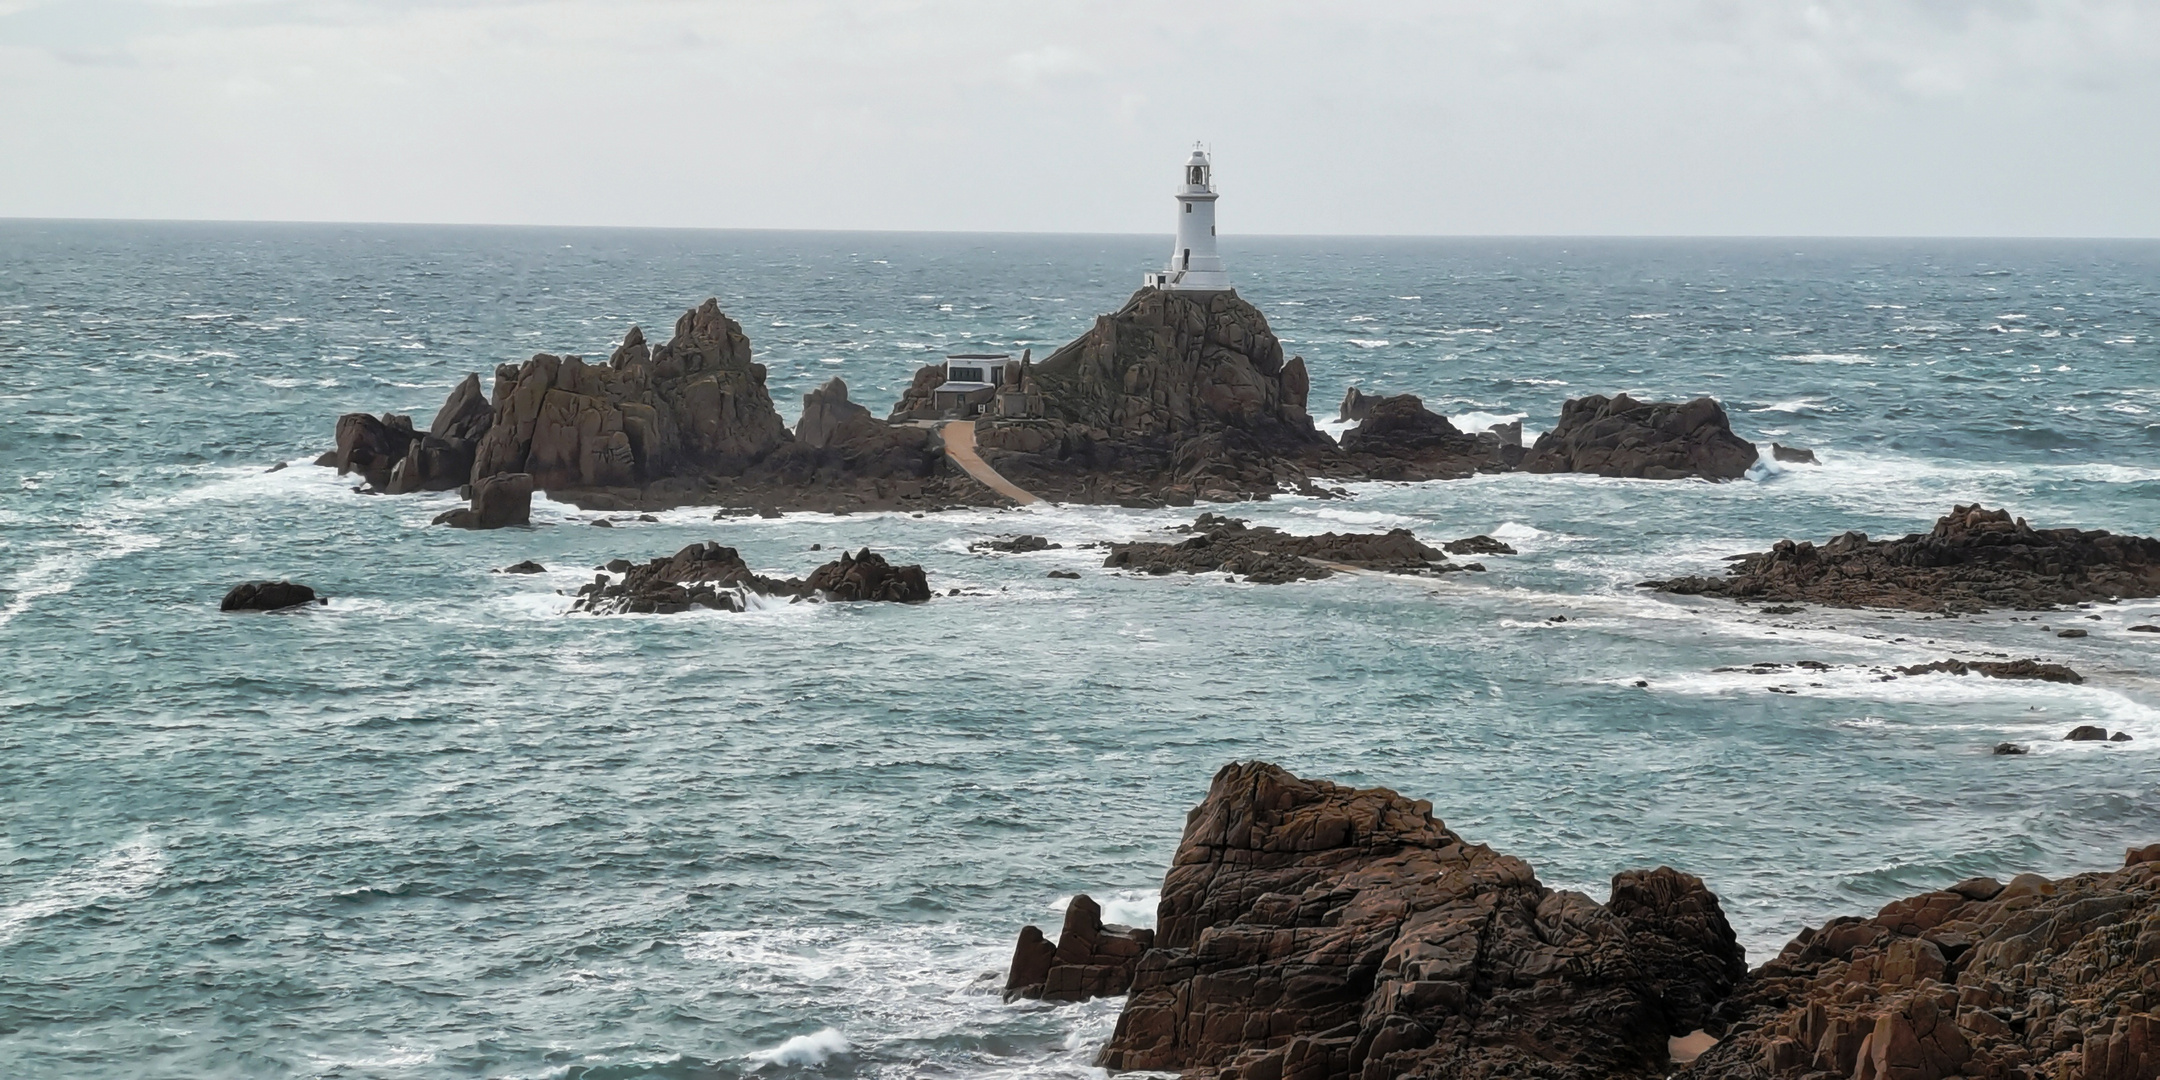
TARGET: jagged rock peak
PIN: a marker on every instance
(1175, 363)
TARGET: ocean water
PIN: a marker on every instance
(443, 828)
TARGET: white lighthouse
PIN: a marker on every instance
(1194, 265)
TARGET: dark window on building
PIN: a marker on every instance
(1188, 260)
(964, 374)
(1188, 208)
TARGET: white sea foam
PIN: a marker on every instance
(1830, 358)
(812, 1049)
(58, 572)
(1370, 343)
(1125, 907)
(1796, 405)
(123, 873)
(1476, 421)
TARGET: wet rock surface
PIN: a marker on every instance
(1272, 557)
(1998, 669)
(1619, 436)
(1014, 545)
(1974, 560)
(2033, 978)
(498, 502)
(269, 596)
(1477, 545)
(1090, 960)
(1317, 931)
(1793, 454)
(714, 577)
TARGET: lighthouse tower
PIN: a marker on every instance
(1194, 265)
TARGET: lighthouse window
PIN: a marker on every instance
(1188, 208)
(1193, 175)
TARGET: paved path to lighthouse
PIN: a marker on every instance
(960, 446)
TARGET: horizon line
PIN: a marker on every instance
(328, 222)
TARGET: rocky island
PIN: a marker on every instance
(1177, 397)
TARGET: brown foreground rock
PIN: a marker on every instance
(1270, 556)
(1090, 960)
(2036, 978)
(1619, 436)
(715, 577)
(498, 502)
(1315, 931)
(1974, 560)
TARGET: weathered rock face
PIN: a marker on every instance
(498, 501)
(1356, 404)
(1171, 363)
(1974, 559)
(1315, 931)
(2037, 978)
(1175, 396)
(712, 576)
(1090, 959)
(692, 406)
(443, 458)
(1272, 557)
(828, 417)
(919, 400)
(269, 596)
(1619, 436)
(372, 447)
(1400, 439)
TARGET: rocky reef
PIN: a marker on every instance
(1317, 931)
(1975, 559)
(2033, 978)
(1619, 436)
(714, 577)
(1269, 556)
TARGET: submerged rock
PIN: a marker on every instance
(1619, 436)
(1090, 960)
(1020, 544)
(2035, 978)
(1316, 931)
(2086, 733)
(1974, 559)
(269, 596)
(1270, 556)
(1998, 669)
(526, 567)
(1793, 454)
(2006, 749)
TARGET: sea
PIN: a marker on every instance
(443, 827)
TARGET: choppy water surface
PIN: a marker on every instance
(442, 828)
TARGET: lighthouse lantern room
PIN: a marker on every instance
(1194, 265)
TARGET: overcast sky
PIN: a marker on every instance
(1845, 117)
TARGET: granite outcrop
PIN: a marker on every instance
(1984, 979)
(1322, 932)
(715, 577)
